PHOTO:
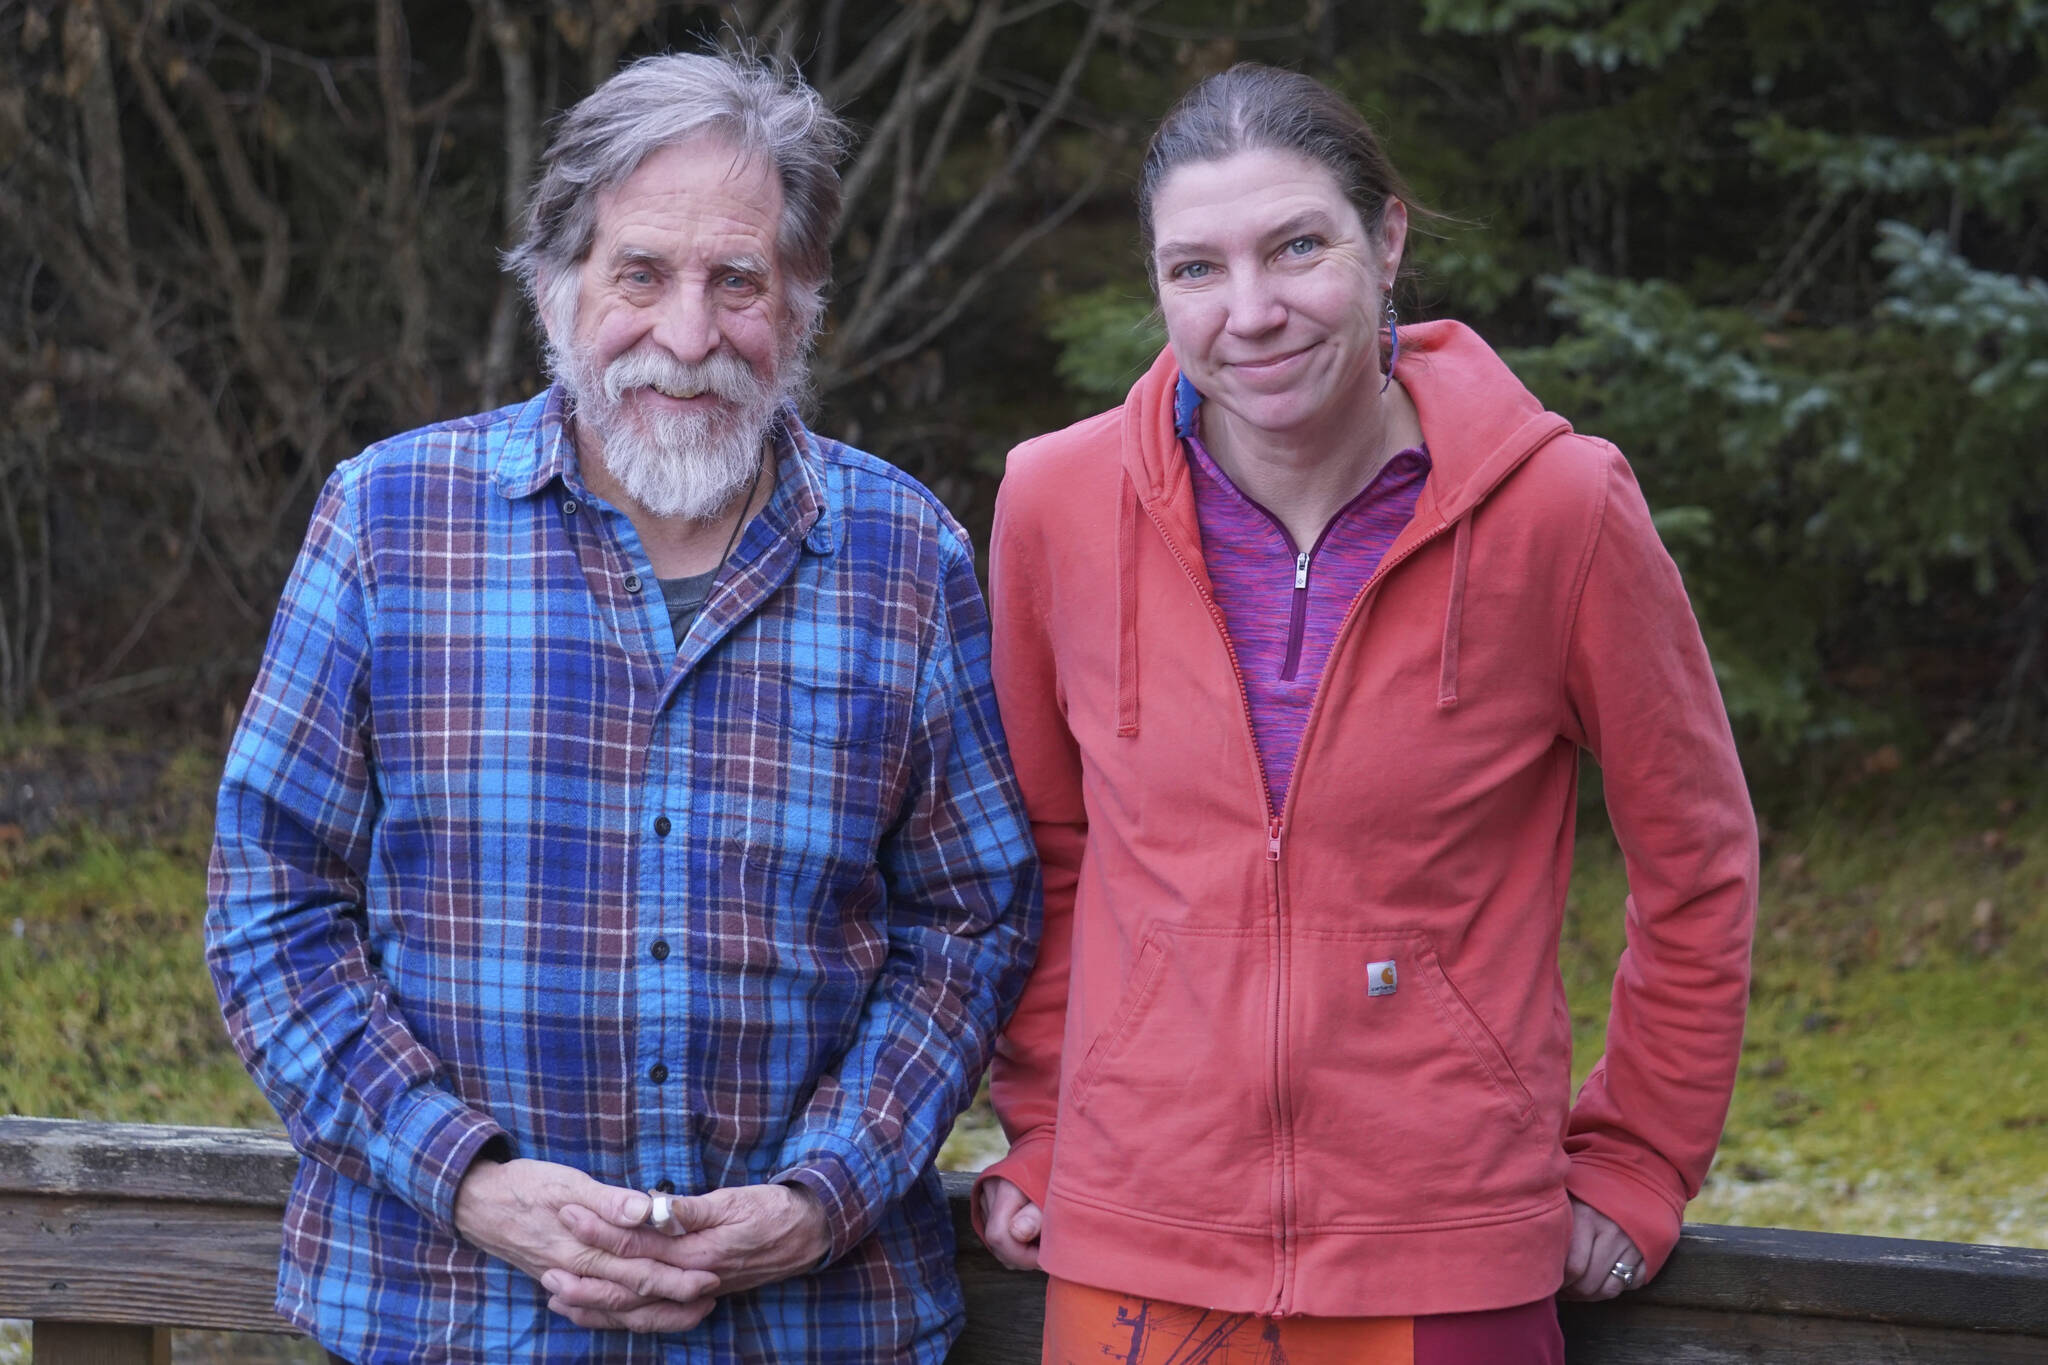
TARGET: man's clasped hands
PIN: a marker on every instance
(589, 1246)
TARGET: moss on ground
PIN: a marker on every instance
(109, 1011)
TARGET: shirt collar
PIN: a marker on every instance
(801, 503)
(1187, 401)
(537, 449)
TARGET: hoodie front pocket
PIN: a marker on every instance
(1112, 1041)
(1407, 1110)
(1170, 1110)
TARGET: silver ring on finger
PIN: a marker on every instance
(1626, 1273)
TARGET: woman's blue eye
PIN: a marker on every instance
(1302, 246)
(1193, 270)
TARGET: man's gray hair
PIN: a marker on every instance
(658, 102)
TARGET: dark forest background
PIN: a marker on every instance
(1785, 254)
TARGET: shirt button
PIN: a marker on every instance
(660, 949)
(632, 582)
(664, 1186)
(657, 1073)
(569, 506)
(662, 826)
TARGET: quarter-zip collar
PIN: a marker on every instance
(1405, 469)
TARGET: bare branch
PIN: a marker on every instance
(911, 98)
(971, 288)
(167, 590)
(198, 189)
(902, 201)
(228, 586)
(93, 372)
(85, 41)
(880, 54)
(401, 209)
(986, 20)
(443, 104)
(781, 28)
(1029, 11)
(256, 209)
(323, 68)
(616, 22)
(12, 685)
(858, 331)
(828, 43)
(62, 245)
(509, 35)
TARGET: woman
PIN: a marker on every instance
(1296, 651)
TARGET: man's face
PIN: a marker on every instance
(679, 354)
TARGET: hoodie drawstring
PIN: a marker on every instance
(1454, 612)
(1127, 609)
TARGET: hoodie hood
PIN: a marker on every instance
(1478, 420)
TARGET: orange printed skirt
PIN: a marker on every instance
(1085, 1326)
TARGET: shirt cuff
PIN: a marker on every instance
(427, 1143)
(832, 1171)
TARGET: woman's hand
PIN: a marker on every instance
(1010, 1223)
(1598, 1246)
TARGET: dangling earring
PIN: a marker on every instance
(1393, 340)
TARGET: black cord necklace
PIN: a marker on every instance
(740, 518)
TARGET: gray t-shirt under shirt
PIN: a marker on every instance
(685, 599)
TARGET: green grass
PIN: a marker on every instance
(1895, 1069)
(1894, 1078)
(108, 1010)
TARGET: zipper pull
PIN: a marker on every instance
(1301, 570)
(1273, 840)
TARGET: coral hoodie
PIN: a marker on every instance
(1316, 1059)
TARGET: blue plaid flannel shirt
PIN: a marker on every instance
(495, 858)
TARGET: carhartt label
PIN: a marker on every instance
(1380, 978)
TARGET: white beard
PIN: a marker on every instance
(693, 465)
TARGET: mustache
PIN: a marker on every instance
(721, 373)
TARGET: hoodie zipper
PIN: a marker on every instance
(1281, 1109)
(1283, 1285)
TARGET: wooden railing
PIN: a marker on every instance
(112, 1234)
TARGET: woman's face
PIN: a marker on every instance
(1272, 289)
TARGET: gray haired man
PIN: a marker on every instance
(619, 876)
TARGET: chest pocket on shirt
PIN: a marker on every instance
(816, 772)
(834, 714)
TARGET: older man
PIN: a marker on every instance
(621, 812)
